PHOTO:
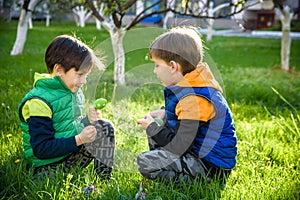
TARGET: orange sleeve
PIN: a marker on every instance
(195, 108)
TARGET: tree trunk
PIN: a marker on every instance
(167, 16)
(285, 17)
(78, 16)
(210, 13)
(48, 16)
(139, 7)
(21, 34)
(209, 30)
(285, 49)
(98, 24)
(81, 15)
(23, 28)
(30, 23)
(100, 11)
(119, 55)
(170, 4)
(116, 36)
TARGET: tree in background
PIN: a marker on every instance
(285, 13)
(112, 19)
(25, 16)
(112, 15)
(81, 13)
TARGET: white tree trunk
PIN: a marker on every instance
(30, 23)
(210, 13)
(209, 30)
(116, 36)
(81, 15)
(139, 7)
(100, 11)
(170, 4)
(168, 15)
(21, 34)
(98, 24)
(22, 29)
(119, 55)
(285, 15)
(48, 16)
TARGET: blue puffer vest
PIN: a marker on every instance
(216, 140)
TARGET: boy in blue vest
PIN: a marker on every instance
(55, 134)
(197, 138)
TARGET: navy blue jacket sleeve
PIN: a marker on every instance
(178, 141)
(43, 142)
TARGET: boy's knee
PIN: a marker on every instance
(146, 162)
(106, 123)
(106, 126)
(143, 166)
(141, 162)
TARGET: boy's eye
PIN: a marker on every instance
(81, 75)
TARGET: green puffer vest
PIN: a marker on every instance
(66, 113)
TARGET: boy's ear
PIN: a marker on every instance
(175, 66)
(57, 70)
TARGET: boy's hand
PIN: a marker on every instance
(94, 114)
(158, 113)
(148, 119)
(88, 134)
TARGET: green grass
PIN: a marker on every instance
(264, 101)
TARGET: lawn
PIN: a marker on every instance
(264, 101)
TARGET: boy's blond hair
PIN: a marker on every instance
(181, 44)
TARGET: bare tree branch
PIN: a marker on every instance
(142, 15)
(127, 5)
(95, 11)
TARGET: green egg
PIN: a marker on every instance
(159, 121)
(100, 103)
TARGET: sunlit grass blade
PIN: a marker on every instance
(284, 99)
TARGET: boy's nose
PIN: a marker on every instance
(83, 80)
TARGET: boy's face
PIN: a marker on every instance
(73, 79)
(168, 73)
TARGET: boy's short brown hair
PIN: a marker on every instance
(181, 44)
(69, 52)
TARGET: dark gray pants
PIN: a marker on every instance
(101, 150)
(161, 164)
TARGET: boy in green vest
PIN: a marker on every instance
(55, 134)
